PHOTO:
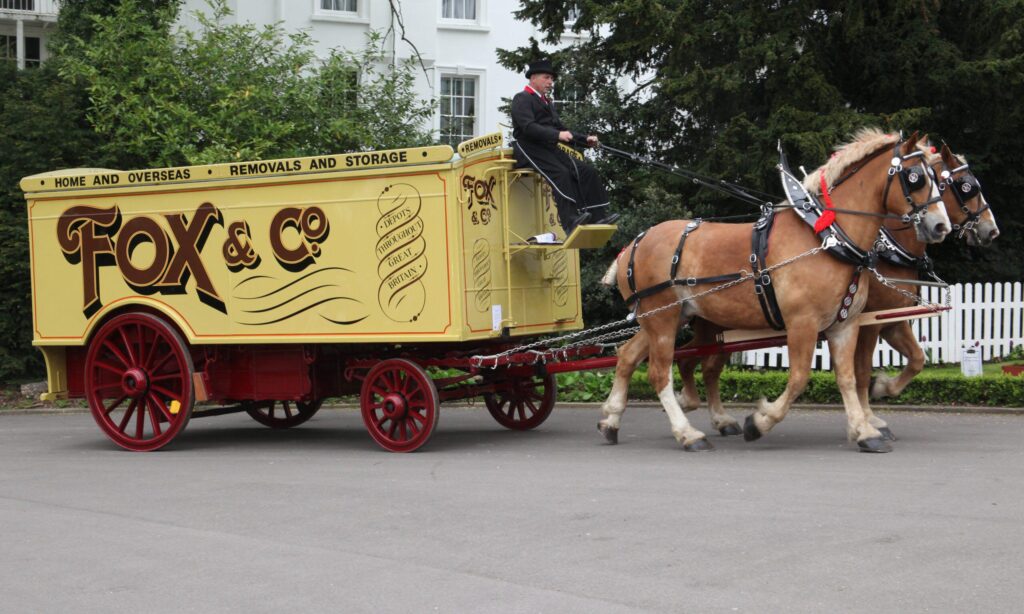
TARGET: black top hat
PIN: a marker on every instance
(541, 66)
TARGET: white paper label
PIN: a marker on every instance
(495, 317)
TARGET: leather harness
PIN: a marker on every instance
(809, 208)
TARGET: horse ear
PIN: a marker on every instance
(910, 144)
(948, 158)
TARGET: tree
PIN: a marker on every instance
(124, 89)
(714, 85)
(235, 91)
(42, 127)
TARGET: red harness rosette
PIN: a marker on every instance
(828, 216)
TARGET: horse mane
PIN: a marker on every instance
(865, 142)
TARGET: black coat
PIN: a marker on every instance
(576, 185)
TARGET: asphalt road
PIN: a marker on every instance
(234, 517)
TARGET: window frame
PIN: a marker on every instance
(479, 24)
(461, 72)
(361, 15)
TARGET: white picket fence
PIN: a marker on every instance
(990, 315)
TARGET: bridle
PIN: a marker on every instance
(965, 189)
(912, 178)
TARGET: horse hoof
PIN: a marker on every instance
(874, 444)
(730, 429)
(610, 435)
(887, 433)
(750, 430)
(699, 445)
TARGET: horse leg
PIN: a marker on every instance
(688, 397)
(866, 341)
(631, 353)
(901, 337)
(661, 331)
(842, 344)
(712, 367)
(800, 339)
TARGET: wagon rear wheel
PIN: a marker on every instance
(523, 403)
(282, 414)
(138, 381)
(399, 404)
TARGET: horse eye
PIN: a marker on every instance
(914, 177)
(966, 188)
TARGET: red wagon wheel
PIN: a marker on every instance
(399, 404)
(523, 403)
(138, 381)
(283, 414)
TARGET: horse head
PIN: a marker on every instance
(920, 202)
(966, 206)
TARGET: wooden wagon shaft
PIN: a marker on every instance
(885, 316)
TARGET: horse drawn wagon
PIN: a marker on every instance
(269, 286)
(406, 277)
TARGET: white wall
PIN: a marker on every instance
(465, 48)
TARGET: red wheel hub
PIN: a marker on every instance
(135, 383)
(394, 406)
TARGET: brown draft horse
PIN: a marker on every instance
(970, 214)
(973, 217)
(810, 289)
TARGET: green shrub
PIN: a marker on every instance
(738, 385)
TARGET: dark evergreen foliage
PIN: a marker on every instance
(720, 82)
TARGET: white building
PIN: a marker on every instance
(455, 38)
(25, 26)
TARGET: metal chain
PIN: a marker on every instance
(947, 302)
(586, 334)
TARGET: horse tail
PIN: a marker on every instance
(610, 274)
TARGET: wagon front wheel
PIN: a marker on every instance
(399, 403)
(523, 403)
(138, 381)
(282, 414)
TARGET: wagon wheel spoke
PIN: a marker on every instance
(117, 354)
(112, 407)
(127, 416)
(152, 353)
(110, 386)
(163, 361)
(111, 368)
(152, 417)
(162, 407)
(126, 343)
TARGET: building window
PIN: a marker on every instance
(347, 6)
(32, 57)
(574, 14)
(567, 99)
(458, 9)
(9, 50)
(18, 5)
(458, 109)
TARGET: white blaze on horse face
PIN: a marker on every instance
(934, 224)
(986, 230)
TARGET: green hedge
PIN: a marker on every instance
(748, 386)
